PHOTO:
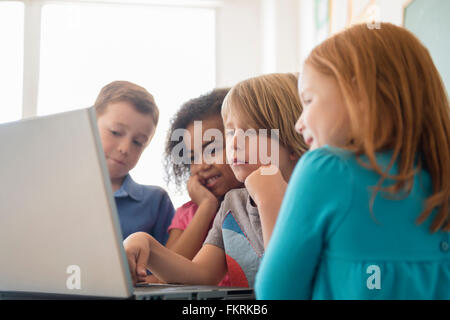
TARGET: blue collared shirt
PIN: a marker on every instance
(144, 208)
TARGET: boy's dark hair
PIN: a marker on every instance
(196, 109)
(119, 91)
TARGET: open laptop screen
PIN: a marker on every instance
(59, 232)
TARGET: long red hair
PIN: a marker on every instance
(396, 100)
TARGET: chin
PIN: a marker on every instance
(216, 191)
(241, 178)
(241, 174)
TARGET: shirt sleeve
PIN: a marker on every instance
(215, 236)
(182, 217)
(316, 200)
(165, 216)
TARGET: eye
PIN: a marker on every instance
(114, 133)
(138, 143)
(219, 147)
(306, 102)
(229, 132)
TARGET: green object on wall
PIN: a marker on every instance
(429, 20)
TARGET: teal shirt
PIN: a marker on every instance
(327, 244)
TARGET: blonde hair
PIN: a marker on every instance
(269, 102)
(396, 100)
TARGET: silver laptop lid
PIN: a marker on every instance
(59, 231)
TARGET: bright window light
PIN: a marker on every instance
(11, 60)
(168, 50)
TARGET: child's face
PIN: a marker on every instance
(124, 133)
(247, 152)
(217, 176)
(324, 119)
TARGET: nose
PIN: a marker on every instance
(234, 142)
(299, 126)
(123, 147)
(238, 140)
(198, 168)
(204, 166)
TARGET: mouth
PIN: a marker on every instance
(117, 161)
(238, 162)
(308, 140)
(211, 182)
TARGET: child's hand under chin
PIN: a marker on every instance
(266, 187)
(266, 184)
(198, 192)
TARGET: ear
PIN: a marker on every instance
(293, 156)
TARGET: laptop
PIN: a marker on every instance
(60, 235)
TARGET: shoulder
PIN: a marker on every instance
(188, 205)
(320, 192)
(323, 172)
(183, 216)
(235, 200)
(326, 162)
(236, 195)
(189, 208)
(154, 191)
(326, 156)
(155, 196)
(141, 191)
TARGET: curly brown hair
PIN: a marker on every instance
(197, 109)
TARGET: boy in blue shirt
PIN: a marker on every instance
(127, 117)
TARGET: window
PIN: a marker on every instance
(11, 60)
(169, 50)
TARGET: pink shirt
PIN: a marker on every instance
(181, 220)
(183, 216)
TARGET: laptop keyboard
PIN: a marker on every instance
(156, 285)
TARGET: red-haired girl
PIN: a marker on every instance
(363, 208)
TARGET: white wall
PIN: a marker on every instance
(256, 37)
(388, 11)
(253, 37)
(392, 11)
(287, 23)
(238, 31)
(306, 24)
